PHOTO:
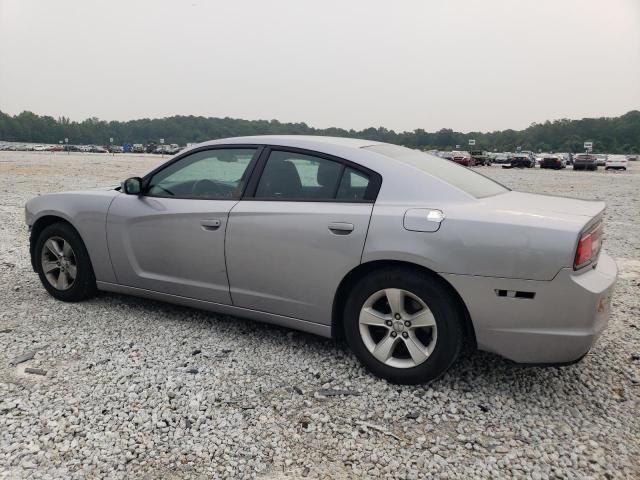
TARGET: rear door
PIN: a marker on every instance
(298, 232)
(171, 238)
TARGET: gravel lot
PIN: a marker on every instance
(139, 389)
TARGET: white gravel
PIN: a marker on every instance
(121, 397)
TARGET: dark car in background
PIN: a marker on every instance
(522, 160)
(584, 161)
(556, 162)
(480, 157)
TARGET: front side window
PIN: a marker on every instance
(295, 176)
(218, 174)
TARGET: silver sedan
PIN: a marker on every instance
(406, 256)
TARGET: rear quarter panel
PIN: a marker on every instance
(476, 240)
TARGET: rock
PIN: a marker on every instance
(335, 392)
(23, 358)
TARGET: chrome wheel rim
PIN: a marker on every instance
(58, 262)
(398, 328)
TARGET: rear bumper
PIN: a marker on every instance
(559, 325)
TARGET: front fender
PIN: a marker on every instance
(87, 213)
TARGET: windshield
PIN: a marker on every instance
(460, 177)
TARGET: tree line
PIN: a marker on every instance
(609, 134)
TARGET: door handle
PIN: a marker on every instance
(341, 228)
(210, 224)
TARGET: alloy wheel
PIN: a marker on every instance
(59, 264)
(398, 328)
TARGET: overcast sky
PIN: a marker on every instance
(462, 64)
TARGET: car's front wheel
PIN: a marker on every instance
(403, 325)
(63, 263)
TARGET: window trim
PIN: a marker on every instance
(235, 146)
(371, 193)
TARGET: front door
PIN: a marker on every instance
(171, 238)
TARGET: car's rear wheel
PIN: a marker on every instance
(63, 263)
(403, 325)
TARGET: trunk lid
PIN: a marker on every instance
(573, 210)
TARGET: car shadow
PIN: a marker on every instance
(491, 378)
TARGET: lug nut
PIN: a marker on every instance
(394, 334)
(397, 316)
(405, 334)
(407, 323)
(388, 322)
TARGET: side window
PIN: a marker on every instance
(218, 174)
(295, 176)
(353, 185)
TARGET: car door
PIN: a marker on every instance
(170, 239)
(298, 232)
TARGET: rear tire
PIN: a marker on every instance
(63, 263)
(421, 351)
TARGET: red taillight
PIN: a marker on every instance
(588, 246)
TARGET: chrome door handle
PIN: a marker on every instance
(341, 228)
(210, 224)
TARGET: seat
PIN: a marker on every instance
(279, 179)
(327, 177)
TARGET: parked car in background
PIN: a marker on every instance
(446, 155)
(616, 162)
(116, 149)
(98, 149)
(480, 158)
(522, 160)
(553, 161)
(502, 158)
(463, 158)
(137, 148)
(173, 149)
(601, 159)
(584, 161)
(632, 158)
(407, 256)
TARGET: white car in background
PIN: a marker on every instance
(601, 159)
(616, 162)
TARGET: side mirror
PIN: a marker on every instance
(132, 186)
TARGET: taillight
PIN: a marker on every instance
(588, 246)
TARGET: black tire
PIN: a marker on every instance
(444, 306)
(84, 284)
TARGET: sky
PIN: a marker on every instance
(470, 65)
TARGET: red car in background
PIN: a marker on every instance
(463, 158)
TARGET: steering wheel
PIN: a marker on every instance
(207, 188)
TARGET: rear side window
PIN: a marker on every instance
(296, 176)
(460, 177)
(353, 186)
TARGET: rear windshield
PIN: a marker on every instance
(460, 177)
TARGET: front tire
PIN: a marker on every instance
(63, 263)
(404, 325)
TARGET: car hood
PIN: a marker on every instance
(535, 205)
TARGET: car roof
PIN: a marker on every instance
(311, 142)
